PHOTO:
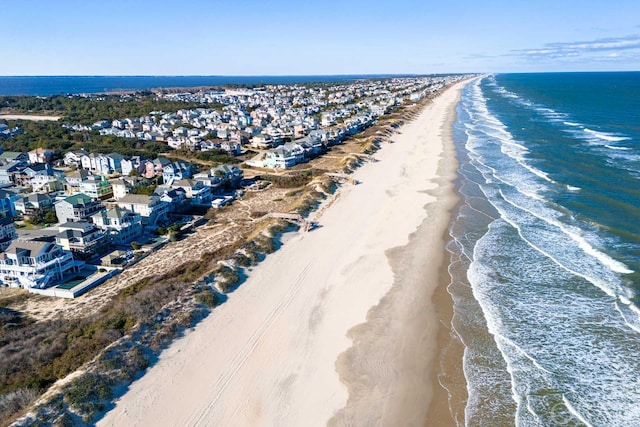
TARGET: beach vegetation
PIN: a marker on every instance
(87, 110)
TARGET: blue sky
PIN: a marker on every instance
(284, 37)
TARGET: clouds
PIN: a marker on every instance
(614, 48)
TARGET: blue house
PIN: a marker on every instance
(176, 171)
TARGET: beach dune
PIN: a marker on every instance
(338, 325)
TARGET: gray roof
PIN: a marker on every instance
(32, 247)
(136, 198)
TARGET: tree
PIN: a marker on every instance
(135, 246)
(50, 217)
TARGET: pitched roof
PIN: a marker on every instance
(78, 199)
(136, 198)
(31, 247)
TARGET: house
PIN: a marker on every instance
(211, 180)
(33, 264)
(312, 146)
(34, 205)
(7, 232)
(231, 147)
(76, 208)
(83, 239)
(124, 185)
(41, 155)
(10, 172)
(152, 210)
(198, 193)
(176, 171)
(327, 119)
(13, 156)
(74, 158)
(114, 162)
(135, 163)
(121, 225)
(262, 141)
(230, 175)
(97, 163)
(279, 158)
(319, 135)
(46, 182)
(74, 179)
(175, 197)
(7, 203)
(297, 151)
(97, 187)
(156, 167)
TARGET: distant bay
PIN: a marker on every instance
(57, 85)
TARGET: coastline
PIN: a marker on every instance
(411, 323)
(256, 358)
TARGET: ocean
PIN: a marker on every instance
(57, 85)
(545, 249)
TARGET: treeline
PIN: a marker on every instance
(53, 136)
(87, 110)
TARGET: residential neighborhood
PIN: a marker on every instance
(62, 212)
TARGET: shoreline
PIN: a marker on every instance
(297, 305)
(419, 310)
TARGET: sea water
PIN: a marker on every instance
(545, 249)
(57, 85)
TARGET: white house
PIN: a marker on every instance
(121, 225)
(152, 210)
(31, 264)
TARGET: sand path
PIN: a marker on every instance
(268, 355)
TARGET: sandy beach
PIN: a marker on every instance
(339, 325)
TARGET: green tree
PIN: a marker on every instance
(50, 217)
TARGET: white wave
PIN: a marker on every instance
(628, 322)
(613, 147)
(606, 136)
(575, 412)
(575, 235)
(550, 113)
(571, 124)
(572, 188)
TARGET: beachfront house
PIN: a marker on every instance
(197, 193)
(152, 210)
(121, 225)
(175, 197)
(34, 264)
(82, 238)
(279, 158)
(76, 208)
(231, 175)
